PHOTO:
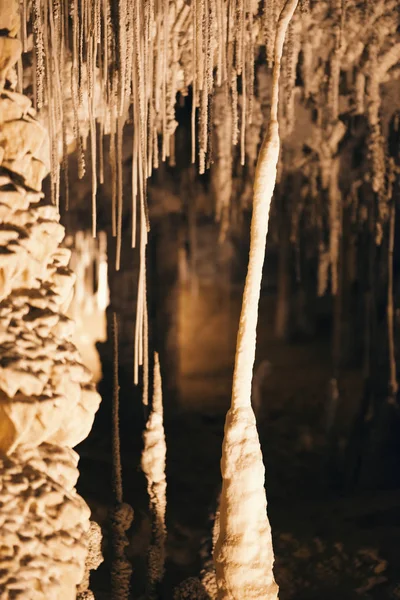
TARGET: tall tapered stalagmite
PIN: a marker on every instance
(243, 553)
(153, 465)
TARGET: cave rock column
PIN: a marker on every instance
(47, 398)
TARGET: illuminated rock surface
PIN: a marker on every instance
(46, 394)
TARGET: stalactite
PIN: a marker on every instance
(203, 114)
(220, 51)
(24, 21)
(221, 171)
(392, 383)
(141, 309)
(145, 392)
(194, 78)
(165, 23)
(234, 111)
(134, 187)
(293, 47)
(75, 86)
(119, 199)
(251, 66)
(153, 465)
(335, 232)
(269, 29)
(192, 235)
(244, 87)
(334, 79)
(39, 47)
(377, 69)
(243, 553)
(307, 67)
(139, 77)
(360, 93)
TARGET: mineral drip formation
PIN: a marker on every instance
(47, 398)
(153, 465)
(243, 553)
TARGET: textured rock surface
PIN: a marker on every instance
(47, 398)
(93, 560)
(243, 554)
(42, 524)
(153, 465)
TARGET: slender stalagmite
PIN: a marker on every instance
(153, 465)
(122, 514)
(243, 553)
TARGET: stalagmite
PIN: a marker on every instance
(153, 465)
(243, 553)
(47, 398)
(121, 515)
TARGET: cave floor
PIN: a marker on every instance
(331, 540)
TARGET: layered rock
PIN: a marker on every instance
(42, 524)
(47, 398)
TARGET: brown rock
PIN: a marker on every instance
(9, 16)
(43, 525)
(21, 137)
(9, 110)
(10, 51)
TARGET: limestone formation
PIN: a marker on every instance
(153, 465)
(47, 398)
(42, 524)
(243, 553)
(93, 560)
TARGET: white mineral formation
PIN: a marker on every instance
(47, 398)
(153, 465)
(243, 553)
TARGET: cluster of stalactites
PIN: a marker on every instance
(358, 46)
(324, 49)
(127, 61)
(337, 56)
(100, 64)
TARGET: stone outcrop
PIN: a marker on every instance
(42, 524)
(47, 398)
(93, 560)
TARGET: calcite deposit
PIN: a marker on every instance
(42, 524)
(47, 398)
